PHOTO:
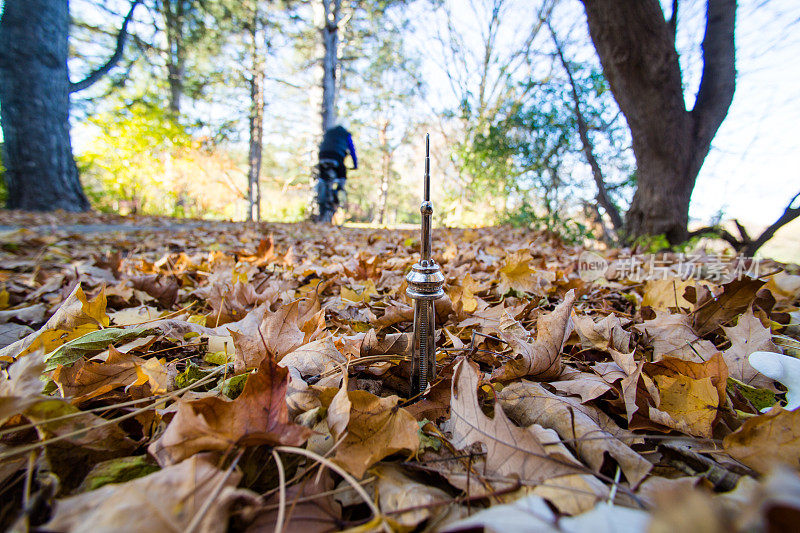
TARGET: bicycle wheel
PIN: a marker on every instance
(325, 201)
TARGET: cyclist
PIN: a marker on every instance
(336, 144)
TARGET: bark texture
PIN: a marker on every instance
(256, 119)
(174, 13)
(34, 89)
(636, 47)
(330, 46)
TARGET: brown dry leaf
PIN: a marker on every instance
(314, 358)
(672, 335)
(511, 451)
(540, 359)
(663, 294)
(87, 379)
(591, 433)
(747, 336)
(258, 415)
(603, 334)
(391, 344)
(22, 386)
(397, 491)
(517, 274)
(766, 440)
(163, 288)
(583, 384)
(572, 494)
(231, 302)
(278, 334)
(711, 312)
(167, 500)
(376, 428)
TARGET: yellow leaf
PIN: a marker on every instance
(363, 295)
(518, 275)
(662, 294)
(95, 309)
(691, 401)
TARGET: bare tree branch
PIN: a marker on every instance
(789, 214)
(588, 148)
(745, 245)
(97, 74)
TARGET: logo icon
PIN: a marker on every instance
(591, 266)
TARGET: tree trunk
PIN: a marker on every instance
(173, 12)
(636, 47)
(385, 170)
(34, 89)
(256, 122)
(330, 45)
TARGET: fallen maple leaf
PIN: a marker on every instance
(276, 335)
(76, 316)
(258, 415)
(603, 334)
(590, 432)
(163, 288)
(672, 335)
(711, 312)
(87, 379)
(511, 451)
(370, 428)
(748, 336)
(689, 393)
(517, 274)
(540, 359)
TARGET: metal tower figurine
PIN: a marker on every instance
(425, 283)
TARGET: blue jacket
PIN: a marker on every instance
(338, 141)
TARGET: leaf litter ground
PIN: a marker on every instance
(214, 376)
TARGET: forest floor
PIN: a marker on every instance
(217, 376)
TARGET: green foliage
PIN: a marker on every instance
(144, 161)
(651, 244)
(569, 230)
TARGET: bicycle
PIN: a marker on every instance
(330, 192)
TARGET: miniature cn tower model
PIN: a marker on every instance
(425, 287)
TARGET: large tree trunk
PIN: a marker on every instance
(34, 90)
(256, 121)
(636, 46)
(174, 13)
(330, 46)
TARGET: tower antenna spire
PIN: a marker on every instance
(425, 283)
